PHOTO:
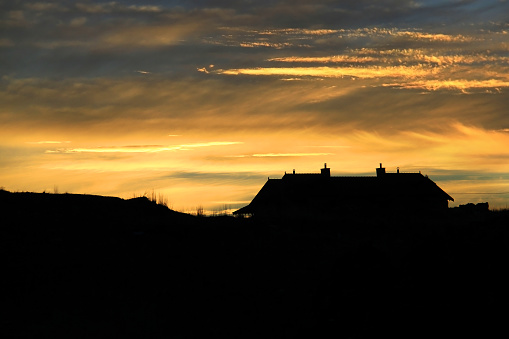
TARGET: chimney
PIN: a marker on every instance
(294, 171)
(380, 171)
(398, 170)
(325, 171)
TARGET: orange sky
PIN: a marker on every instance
(203, 102)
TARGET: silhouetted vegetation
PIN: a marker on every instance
(80, 266)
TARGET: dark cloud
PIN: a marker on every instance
(98, 38)
(470, 175)
(347, 14)
(227, 104)
(387, 111)
(217, 178)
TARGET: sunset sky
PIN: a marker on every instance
(201, 101)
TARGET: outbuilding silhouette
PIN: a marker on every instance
(321, 193)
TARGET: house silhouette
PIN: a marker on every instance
(321, 193)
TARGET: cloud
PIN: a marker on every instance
(397, 56)
(80, 21)
(430, 67)
(325, 60)
(434, 36)
(216, 177)
(152, 36)
(5, 42)
(136, 105)
(461, 84)
(112, 7)
(270, 155)
(266, 44)
(47, 142)
(105, 25)
(42, 6)
(333, 72)
(143, 148)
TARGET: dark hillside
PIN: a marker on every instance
(79, 209)
(81, 266)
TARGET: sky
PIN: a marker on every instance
(202, 101)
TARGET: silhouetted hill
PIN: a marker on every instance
(78, 209)
(79, 266)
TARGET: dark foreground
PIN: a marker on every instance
(94, 267)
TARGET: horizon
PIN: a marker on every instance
(227, 209)
(202, 101)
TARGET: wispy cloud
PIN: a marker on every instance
(297, 31)
(434, 36)
(430, 68)
(110, 7)
(461, 84)
(326, 59)
(277, 45)
(398, 56)
(334, 72)
(47, 142)
(142, 148)
(271, 155)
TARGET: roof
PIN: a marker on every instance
(324, 190)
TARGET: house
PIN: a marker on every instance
(321, 193)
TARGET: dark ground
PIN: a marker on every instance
(78, 266)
